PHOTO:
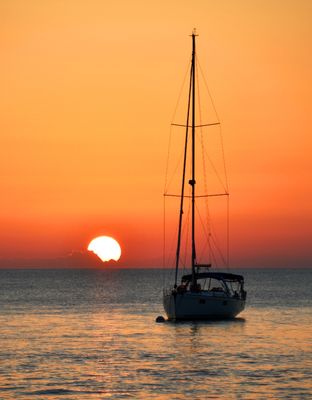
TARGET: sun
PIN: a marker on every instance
(106, 248)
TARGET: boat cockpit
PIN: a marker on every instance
(214, 283)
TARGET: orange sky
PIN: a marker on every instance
(88, 89)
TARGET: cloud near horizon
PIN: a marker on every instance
(76, 259)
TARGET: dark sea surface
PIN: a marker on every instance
(91, 334)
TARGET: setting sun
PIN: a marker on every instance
(106, 248)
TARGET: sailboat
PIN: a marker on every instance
(202, 293)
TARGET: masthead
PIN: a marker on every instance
(194, 32)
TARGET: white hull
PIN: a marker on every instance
(201, 305)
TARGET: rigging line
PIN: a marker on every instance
(173, 116)
(224, 185)
(203, 158)
(167, 161)
(187, 240)
(211, 234)
(217, 247)
(168, 183)
(207, 88)
(186, 228)
(213, 250)
(224, 163)
(221, 134)
(170, 261)
(206, 233)
(182, 87)
(214, 239)
(164, 242)
(214, 260)
(209, 158)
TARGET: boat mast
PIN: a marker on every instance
(191, 96)
(192, 182)
(183, 180)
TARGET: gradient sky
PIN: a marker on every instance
(88, 89)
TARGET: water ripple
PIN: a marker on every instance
(74, 338)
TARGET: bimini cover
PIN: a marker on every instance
(222, 276)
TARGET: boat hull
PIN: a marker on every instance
(201, 305)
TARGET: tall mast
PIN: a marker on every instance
(183, 180)
(191, 103)
(192, 182)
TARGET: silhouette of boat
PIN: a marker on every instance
(201, 294)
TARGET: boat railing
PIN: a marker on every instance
(214, 292)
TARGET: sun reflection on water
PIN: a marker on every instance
(97, 350)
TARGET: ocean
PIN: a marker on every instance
(91, 334)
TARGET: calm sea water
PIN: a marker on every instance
(89, 334)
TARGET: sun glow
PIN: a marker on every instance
(106, 248)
